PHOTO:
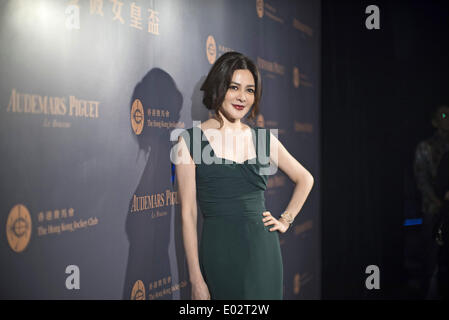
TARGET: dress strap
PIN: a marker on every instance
(256, 134)
(268, 142)
(265, 143)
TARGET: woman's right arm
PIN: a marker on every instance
(185, 173)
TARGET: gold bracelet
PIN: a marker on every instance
(287, 217)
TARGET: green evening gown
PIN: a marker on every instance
(239, 257)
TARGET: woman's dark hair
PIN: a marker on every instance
(219, 78)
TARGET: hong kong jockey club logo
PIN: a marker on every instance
(18, 228)
(137, 117)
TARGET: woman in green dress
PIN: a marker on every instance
(225, 164)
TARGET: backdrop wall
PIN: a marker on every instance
(90, 92)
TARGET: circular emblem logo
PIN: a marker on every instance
(18, 228)
(259, 8)
(137, 117)
(296, 283)
(211, 49)
(138, 292)
(296, 77)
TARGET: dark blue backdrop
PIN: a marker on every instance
(90, 91)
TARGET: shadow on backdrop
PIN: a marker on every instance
(156, 267)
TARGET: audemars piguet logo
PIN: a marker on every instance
(57, 111)
(20, 102)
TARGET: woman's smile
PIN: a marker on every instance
(238, 107)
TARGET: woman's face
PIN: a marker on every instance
(240, 95)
